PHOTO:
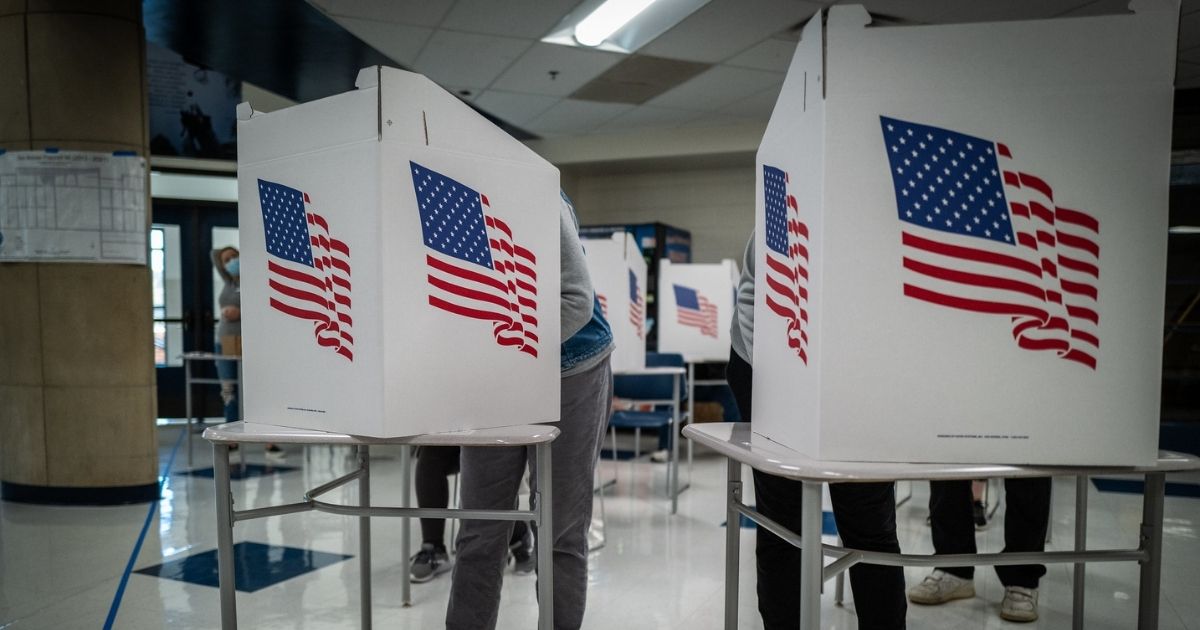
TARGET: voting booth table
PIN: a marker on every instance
(618, 274)
(960, 251)
(400, 285)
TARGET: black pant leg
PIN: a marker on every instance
(953, 521)
(434, 465)
(778, 562)
(866, 520)
(1026, 517)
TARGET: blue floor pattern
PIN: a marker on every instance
(239, 471)
(828, 525)
(1137, 486)
(257, 566)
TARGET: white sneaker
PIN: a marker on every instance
(1020, 604)
(660, 456)
(940, 587)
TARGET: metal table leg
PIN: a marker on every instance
(187, 397)
(811, 557)
(673, 470)
(225, 572)
(406, 525)
(733, 531)
(1151, 569)
(241, 399)
(364, 536)
(1081, 501)
(545, 538)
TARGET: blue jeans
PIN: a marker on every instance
(227, 371)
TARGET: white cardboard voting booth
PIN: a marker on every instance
(400, 265)
(619, 278)
(695, 308)
(961, 240)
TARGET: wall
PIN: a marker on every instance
(715, 203)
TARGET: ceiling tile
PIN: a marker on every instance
(718, 87)
(757, 106)
(955, 11)
(571, 117)
(1098, 7)
(415, 12)
(400, 42)
(516, 109)
(724, 28)
(467, 59)
(515, 18)
(717, 120)
(646, 117)
(770, 54)
(574, 67)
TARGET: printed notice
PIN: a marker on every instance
(75, 206)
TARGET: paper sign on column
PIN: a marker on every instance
(961, 240)
(618, 274)
(399, 265)
(72, 206)
(695, 308)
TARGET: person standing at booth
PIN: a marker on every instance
(229, 333)
(1026, 517)
(865, 512)
(491, 476)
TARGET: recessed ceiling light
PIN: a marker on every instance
(607, 19)
(620, 25)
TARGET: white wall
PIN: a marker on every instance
(715, 204)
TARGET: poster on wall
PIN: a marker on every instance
(695, 308)
(618, 274)
(72, 206)
(191, 108)
(962, 256)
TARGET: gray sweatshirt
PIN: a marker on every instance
(741, 331)
(576, 291)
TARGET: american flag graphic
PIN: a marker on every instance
(787, 259)
(695, 310)
(637, 314)
(603, 304)
(475, 267)
(980, 234)
(308, 271)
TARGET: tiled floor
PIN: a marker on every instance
(61, 567)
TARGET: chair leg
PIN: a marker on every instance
(637, 443)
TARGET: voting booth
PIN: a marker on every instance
(618, 274)
(400, 265)
(961, 240)
(695, 308)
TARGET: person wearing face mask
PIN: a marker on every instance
(229, 332)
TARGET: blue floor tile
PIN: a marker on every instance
(242, 472)
(257, 566)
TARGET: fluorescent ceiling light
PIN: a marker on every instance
(608, 19)
(1184, 229)
(620, 26)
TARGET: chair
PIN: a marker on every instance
(658, 390)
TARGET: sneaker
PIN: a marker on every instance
(1020, 604)
(980, 511)
(660, 456)
(940, 587)
(429, 562)
(275, 452)
(523, 561)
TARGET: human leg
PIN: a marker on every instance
(491, 477)
(866, 519)
(586, 404)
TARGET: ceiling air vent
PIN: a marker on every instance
(638, 79)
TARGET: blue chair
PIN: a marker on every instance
(658, 390)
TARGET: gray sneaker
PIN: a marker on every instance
(940, 587)
(524, 562)
(429, 563)
(1020, 604)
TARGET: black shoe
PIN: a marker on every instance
(522, 553)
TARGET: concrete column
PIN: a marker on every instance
(77, 396)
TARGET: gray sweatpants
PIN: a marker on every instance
(491, 478)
